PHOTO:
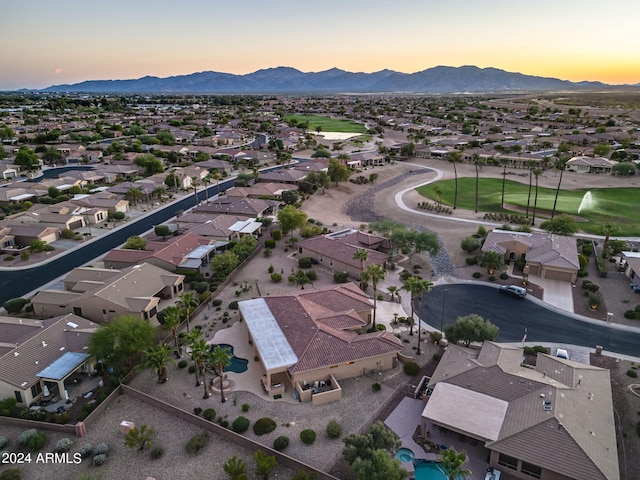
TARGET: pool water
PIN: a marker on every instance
(405, 455)
(429, 471)
(237, 365)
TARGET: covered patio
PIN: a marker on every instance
(60, 379)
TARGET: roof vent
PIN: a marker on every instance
(44, 344)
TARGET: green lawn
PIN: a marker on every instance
(329, 124)
(617, 205)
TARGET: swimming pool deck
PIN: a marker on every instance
(404, 420)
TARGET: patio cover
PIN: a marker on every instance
(63, 366)
(466, 411)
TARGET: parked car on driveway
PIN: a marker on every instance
(514, 291)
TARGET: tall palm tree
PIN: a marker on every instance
(221, 358)
(199, 348)
(216, 176)
(157, 358)
(361, 254)
(206, 180)
(187, 305)
(477, 162)
(559, 166)
(159, 192)
(504, 162)
(195, 181)
(375, 273)
(172, 322)
(607, 230)
(536, 172)
(452, 463)
(134, 195)
(530, 165)
(454, 157)
(437, 190)
(416, 286)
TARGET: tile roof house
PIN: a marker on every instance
(245, 207)
(552, 421)
(548, 256)
(309, 339)
(259, 190)
(29, 347)
(102, 294)
(583, 164)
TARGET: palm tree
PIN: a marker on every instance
(361, 254)
(206, 180)
(172, 322)
(38, 246)
(159, 192)
(187, 304)
(134, 194)
(216, 176)
(416, 286)
(559, 166)
(492, 260)
(199, 347)
(478, 162)
(504, 162)
(157, 358)
(536, 172)
(195, 181)
(452, 463)
(454, 157)
(530, 165)
(607, 230)
(393, 291)
(221, 358)
(375, 273)
(437, 190)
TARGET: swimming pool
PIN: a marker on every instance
(405, 455)
(237, 365)
(429, 471)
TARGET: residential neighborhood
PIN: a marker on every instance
(310, 275)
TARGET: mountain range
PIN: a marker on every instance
(436, 80)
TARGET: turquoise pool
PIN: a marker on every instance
(429, 471)
(237, 365)
(405, 455)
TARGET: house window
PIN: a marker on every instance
(320, 258)
(153, 312)
(18, 396)
(180, 287)
(104, 312)
(36, 390)
(531, 470)
(331, 262)
(77, 311)
(299, 249)
(508, 462)
(512, 255)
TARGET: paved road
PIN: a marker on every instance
(513, 315)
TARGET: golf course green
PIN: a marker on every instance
(591, 208)
(328, 124)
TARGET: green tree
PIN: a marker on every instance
(139, 437)
(536, 173)
(471, 328)
(602, 150)
(408, 150)
(156, 358)
(221, 358)
(121, 340)
(437, 190)
(337, 171)
(264, 464)
(478, 162)
(224, 263)
(452, 463)
(504, 162)
(361, 255)
(491, 260)
(38, 246)
(150, 163)
(235, 468)
(607, 229)
(244, 247)
(187, 304)
(375, 273)
(291, 219)
(363, 446)
(470, 244)
(380, 466)
(559, 165)
(393, 291)
(135, 243)
(134, 195)
(166, 138)
(561, 225)
(302, 475)
(162, 231)
(454, 157)
(198, 347)
(171, 321)
(530, 165)
(624, 169)
(27, 158)
(416, 287)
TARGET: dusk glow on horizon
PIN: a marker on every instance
(70, 41)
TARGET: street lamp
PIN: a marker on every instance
(444, 295)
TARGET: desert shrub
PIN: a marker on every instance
(308, 436)
(334, 429)
(477, 274)
(197, 410)
(15, 305)
(276, 277)
(182, 364)
(101, 449)
(32, 439)
(240, 424)
(436, 357)
(492, 278)
(270, 243)
(86, 450)
(589, 286)
(156, 453)
(216, 303)
(587, 249)
(263, 426)
(380, 327)
(411, 369)
(3, 442)
(209, 414)
(200, 287)
(224, 423)
(540, 349)
(405, 275)
(435, 336)
(281, 443)
(245, 407)
(276, 235)
(471, 261)
(340, 277)
(7, 405)
(312, 275)
(99, 459)
(632, 373)
(192, 369)
(529, 350)
(376, 387)
(504, 276)
(63, 445)
(305, 262)
(582, 273)
(196, 443)
(233, 305)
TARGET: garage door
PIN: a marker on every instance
(558, 275)
(74, 225)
